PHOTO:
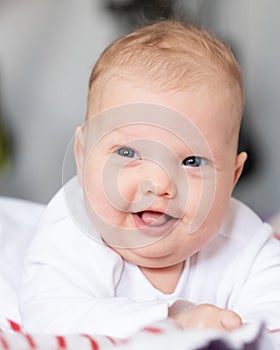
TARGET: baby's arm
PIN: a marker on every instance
(66, 308)
(69, 286)
(208, 316)
(253, 292)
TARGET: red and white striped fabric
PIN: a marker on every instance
(163, 335)
(13, 337)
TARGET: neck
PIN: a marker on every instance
(164, 279)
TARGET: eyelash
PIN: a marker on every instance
(194, 161)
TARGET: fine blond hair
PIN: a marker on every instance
(169, 54)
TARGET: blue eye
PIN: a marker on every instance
(126, 152)
(194, 161)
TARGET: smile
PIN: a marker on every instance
(154, 223)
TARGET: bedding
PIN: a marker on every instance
(163, 335)
(18, 219)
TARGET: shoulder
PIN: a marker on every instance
(242, 232)
(66, 210)
(63, 241)
(61, 205)
(242, 223)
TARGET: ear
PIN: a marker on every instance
(239, 164)
(79, 151)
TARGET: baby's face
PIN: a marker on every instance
(158, 170)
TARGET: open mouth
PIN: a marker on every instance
(154, 223)
(153, 218)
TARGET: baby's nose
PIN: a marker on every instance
(158, 182)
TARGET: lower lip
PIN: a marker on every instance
(155, 231)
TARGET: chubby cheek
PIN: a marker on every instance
(128, 188)
(190, 240)
(205, 213)
(200, 200)
(107, 199)
(94, 194)
(212, 213)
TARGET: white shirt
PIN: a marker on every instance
(73, 283)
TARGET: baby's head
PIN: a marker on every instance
(167, 56)
(157, 156)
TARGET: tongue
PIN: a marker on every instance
(153, 218)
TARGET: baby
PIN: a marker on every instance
(148, 229)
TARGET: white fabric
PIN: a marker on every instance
(73, 283)
(18, 219)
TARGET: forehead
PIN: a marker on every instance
(152, 137)
(211, 96)
(213, 110)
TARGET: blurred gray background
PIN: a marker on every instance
(47, 50)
